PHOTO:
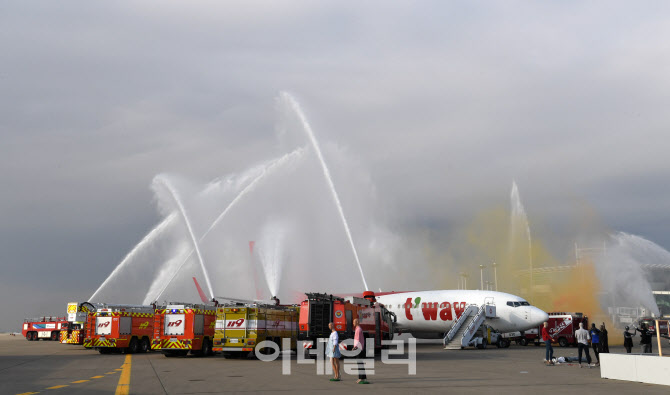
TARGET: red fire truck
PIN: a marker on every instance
(562, 327)
(127, 328)
(43, 328)
(183, 327)
(320, 309)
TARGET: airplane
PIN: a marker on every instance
(423, 313)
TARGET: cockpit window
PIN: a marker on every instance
(517, 304)
(525, 304)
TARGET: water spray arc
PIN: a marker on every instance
(147, 240)
(518, 212)
(267, 170)
(162, 180)
(310, 134)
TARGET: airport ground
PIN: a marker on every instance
(53, 368)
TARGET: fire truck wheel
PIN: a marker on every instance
(144, 345)
(563, 342)
(523, 341)
(54, 336)
(133, 347)
(206, 348)
(34, 336)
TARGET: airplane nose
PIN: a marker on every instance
(538, 316)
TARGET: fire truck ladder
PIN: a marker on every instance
(465, 327)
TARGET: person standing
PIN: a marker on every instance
(582, 336)
(595, 341)
(359, 344)
(628, 340)
(645, 338)
(547, 338)
(604, 341)
(333, 351)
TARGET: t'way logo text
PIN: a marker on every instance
(431, 310)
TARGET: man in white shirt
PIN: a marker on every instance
(583, 337)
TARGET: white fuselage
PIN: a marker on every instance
(436, 311)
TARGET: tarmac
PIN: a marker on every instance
(49, 367)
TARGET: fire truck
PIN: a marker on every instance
(126, 328)
(319, 310)
(562, 327)
(43, 328)
(182, 327)
(241, 327)
(74, 331)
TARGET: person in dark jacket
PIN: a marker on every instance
(645, 338)
(604, 345)
(595, 341)
(628, 340)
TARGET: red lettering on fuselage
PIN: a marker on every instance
(429, 311)
(408, 305)
(445, 313)
(459, 308)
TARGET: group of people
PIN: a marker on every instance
(333, 351)
(599, 342)
(597, 337)
(645, 339)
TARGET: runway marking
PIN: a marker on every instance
(55, 387)
(123, 388)
(28, 393)
(97, 377)
(110, 372)
(79, 381)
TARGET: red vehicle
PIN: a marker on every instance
(183, 327)
(651, 325)
(43, 328)
(562, 327)
(126, 328)
(320, 309)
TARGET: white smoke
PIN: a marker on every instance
(621, 270)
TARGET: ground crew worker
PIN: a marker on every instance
(628, 340)
(582, 336)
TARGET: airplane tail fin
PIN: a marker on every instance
(202, 294)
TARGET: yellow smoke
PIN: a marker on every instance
(556, 286)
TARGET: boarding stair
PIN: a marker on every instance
(465, 328)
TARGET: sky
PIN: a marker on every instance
(440, 105)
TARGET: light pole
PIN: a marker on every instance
(495, 275)
(481, 269)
